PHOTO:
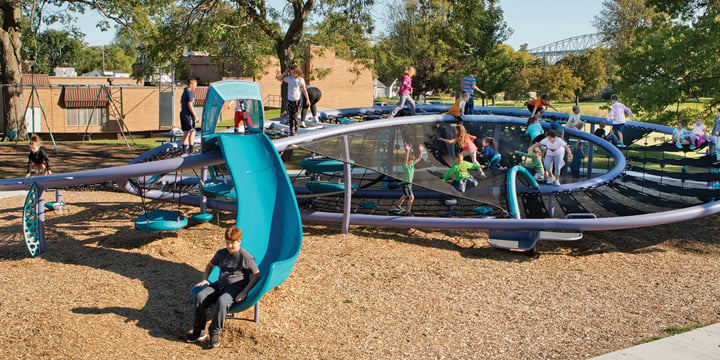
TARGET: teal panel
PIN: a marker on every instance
(31, 221)
(222, 91)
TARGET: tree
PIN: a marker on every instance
(10, 46)
(56, 48)
(556, 81)
(501, 70)
(670, 61)
(246, 31)
(111, 57)
(684, 9)
(618, 19)
(590, 67)
(441, 38)
(126, 13)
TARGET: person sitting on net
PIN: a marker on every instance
(460, 173)
(681, 136)
(600, 132)
(574, 121)
(238, 274)
(457, 109)
(700, 130)
(38, 161)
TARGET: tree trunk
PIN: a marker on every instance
(286, 57)
(285, 46)
(10, 44)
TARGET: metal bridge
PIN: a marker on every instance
(553, 52)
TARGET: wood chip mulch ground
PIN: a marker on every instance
(105, 290)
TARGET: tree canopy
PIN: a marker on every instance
(670, 60)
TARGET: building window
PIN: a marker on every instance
(81, 116)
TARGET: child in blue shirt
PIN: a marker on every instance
(534, 130)
(578, 156)
(490, 153)
(681, 136)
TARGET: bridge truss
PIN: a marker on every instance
(553, 52)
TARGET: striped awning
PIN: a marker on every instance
(200, 95)
(73, 97)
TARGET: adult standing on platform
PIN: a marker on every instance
(314, 94)
(469, 85)
(188, 116)
(293, 76)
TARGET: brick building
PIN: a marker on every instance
(70, 103)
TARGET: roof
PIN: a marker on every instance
(73, 97)
(200, 95)
(37, 79)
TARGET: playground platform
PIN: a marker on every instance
(700, 344)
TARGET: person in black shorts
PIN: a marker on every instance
(188, 116)
(314, 94)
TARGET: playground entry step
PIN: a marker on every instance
(526, 240)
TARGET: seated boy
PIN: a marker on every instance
(681, 136)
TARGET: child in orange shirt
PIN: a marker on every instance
(457, 109)
(537, 105)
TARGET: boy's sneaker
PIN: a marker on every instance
(678, 145)
(556, 182)
(550, 180)
(214, 341)
(693, 147)
(196, 336)
(302, 124)
(621, 145)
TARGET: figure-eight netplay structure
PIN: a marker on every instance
(352, 169)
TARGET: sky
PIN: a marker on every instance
(533, 22)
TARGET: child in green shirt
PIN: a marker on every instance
(536, 165)
(460, 171)
(408, 175)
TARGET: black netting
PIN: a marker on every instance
(383, 151)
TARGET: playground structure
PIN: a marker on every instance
(352, 171)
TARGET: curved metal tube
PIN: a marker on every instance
(513, 207)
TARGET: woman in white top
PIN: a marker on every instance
(555, 150)
(574, 119)
(293, 76)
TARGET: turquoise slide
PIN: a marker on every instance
(267, 211)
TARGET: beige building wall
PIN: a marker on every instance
(343, 86)
(346, 84)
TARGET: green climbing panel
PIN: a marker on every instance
(32, 226)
